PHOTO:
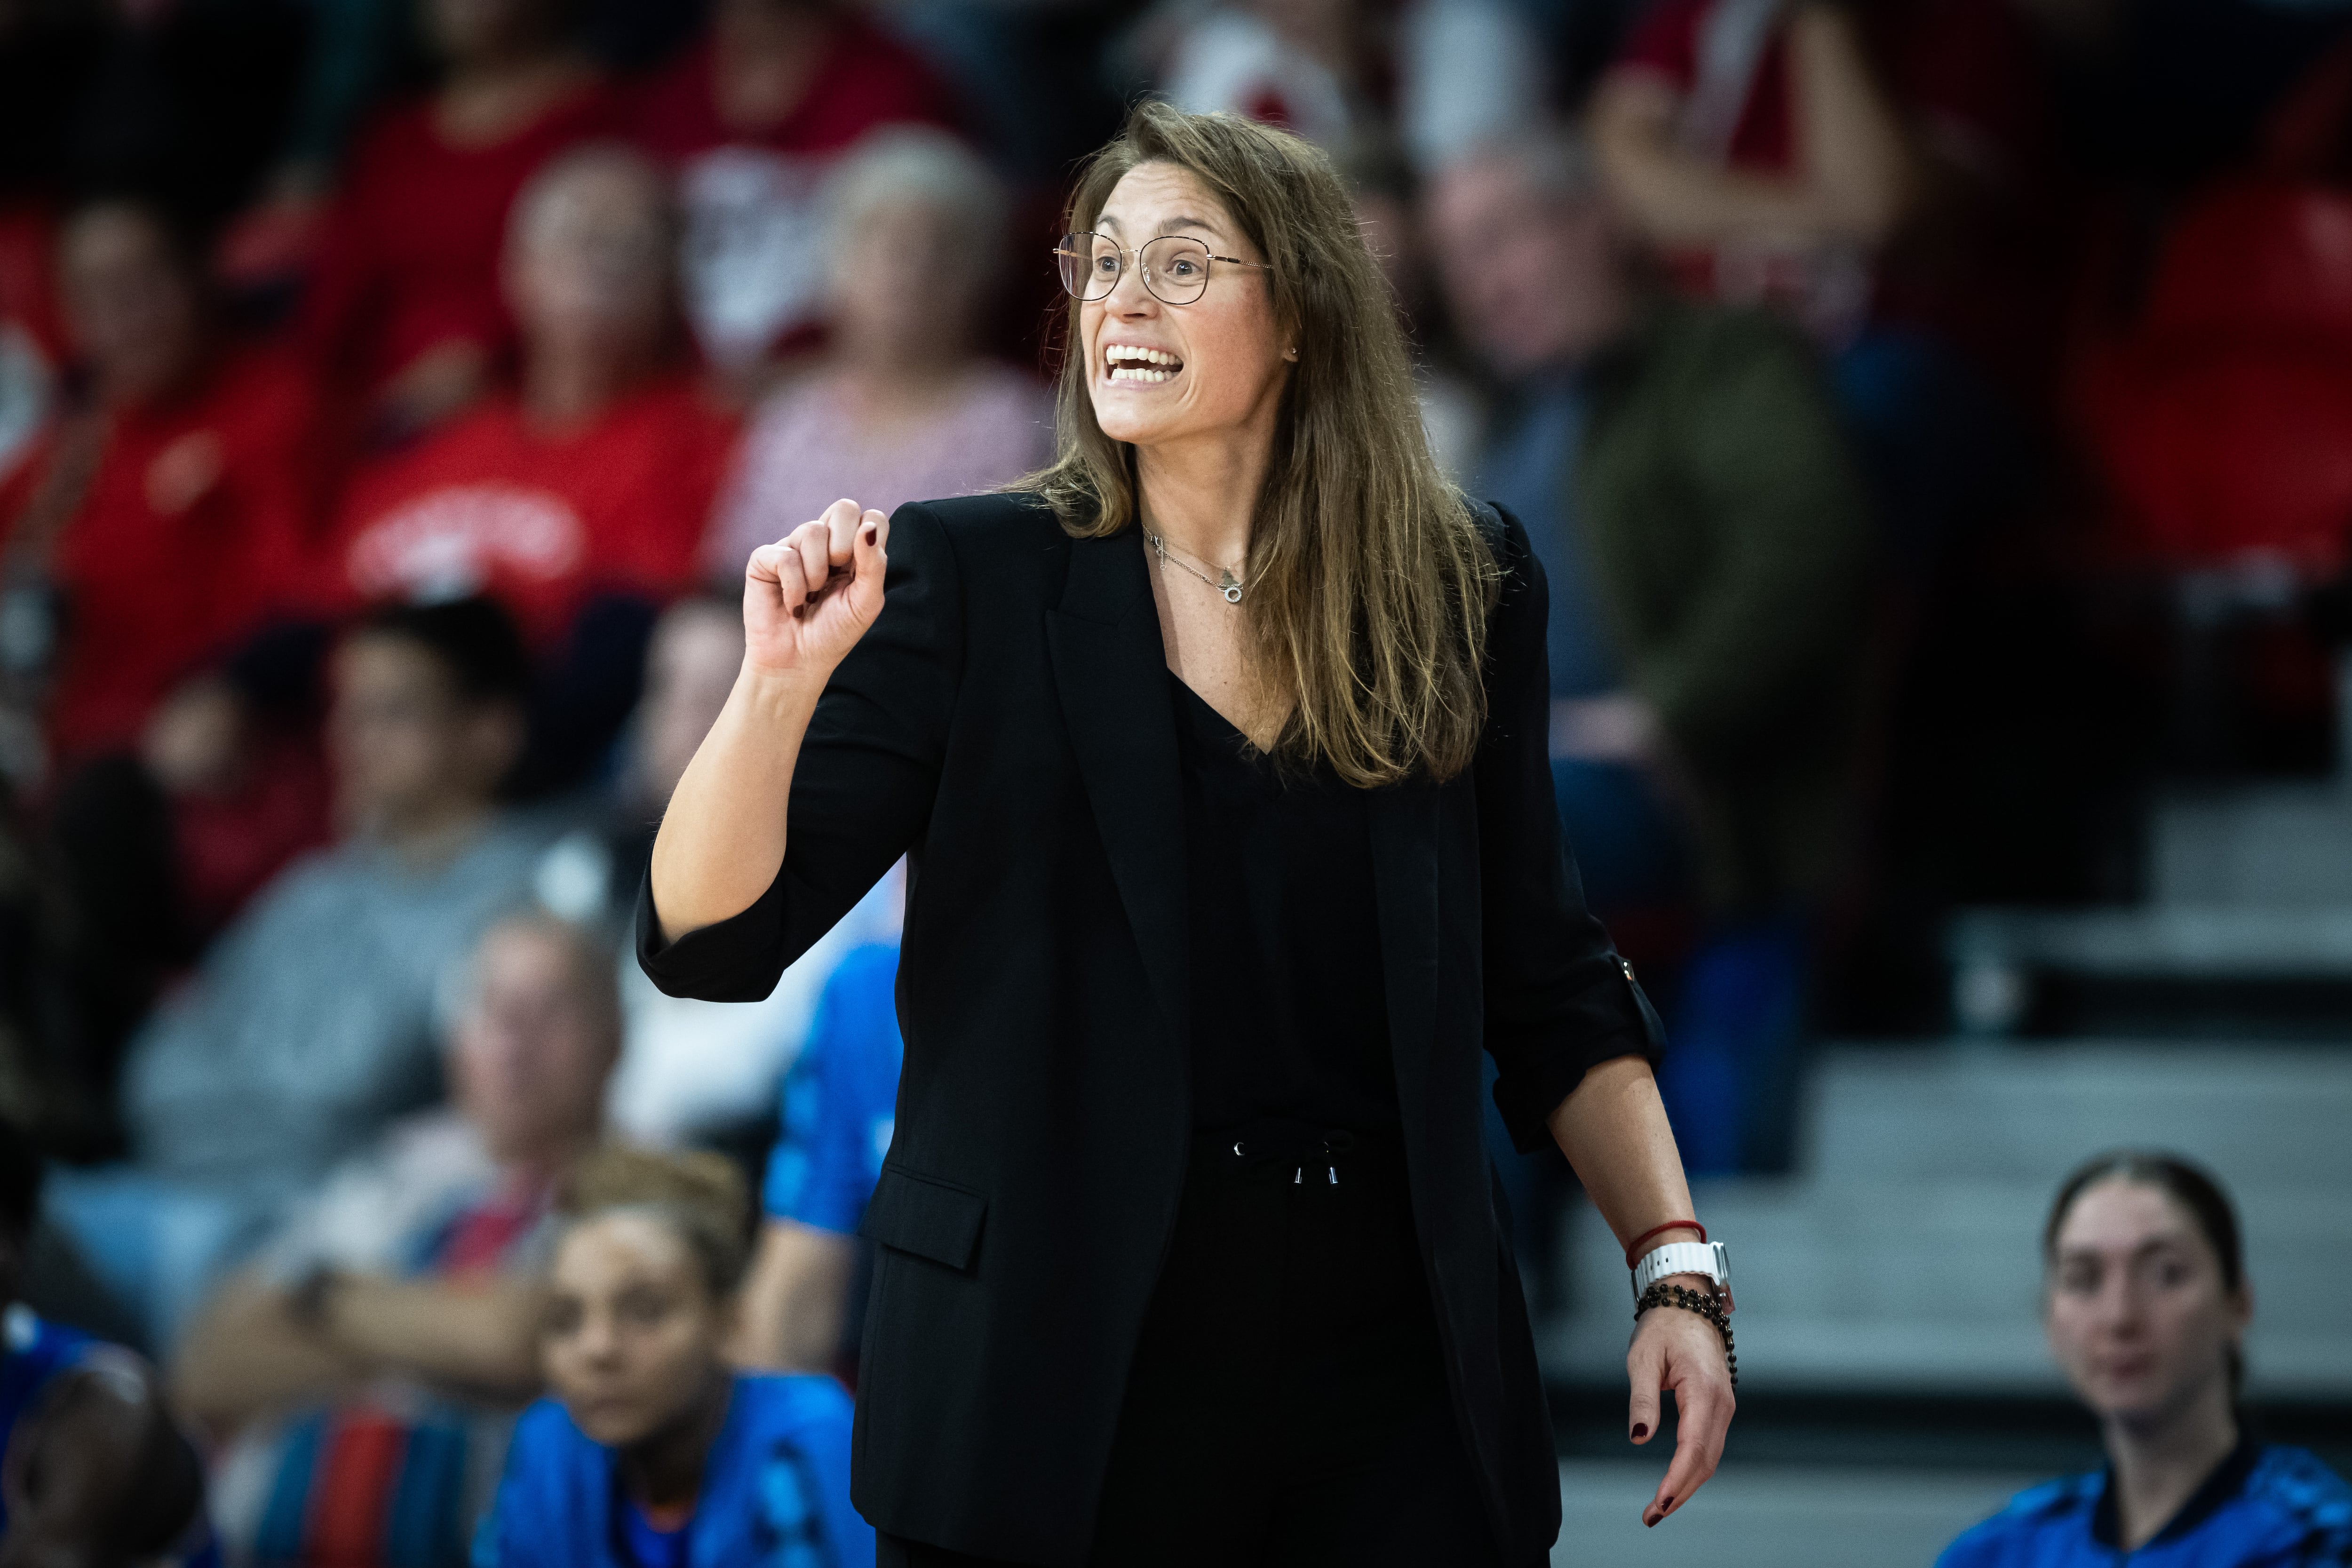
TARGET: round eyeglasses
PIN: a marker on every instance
(1173, 267)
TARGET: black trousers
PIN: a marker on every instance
(1287, 1406)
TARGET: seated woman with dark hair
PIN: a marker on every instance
(2145, 1306)
(652, 1453)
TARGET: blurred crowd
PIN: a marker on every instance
(1932, 416)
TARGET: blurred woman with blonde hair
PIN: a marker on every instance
(650, 1452)
(902, 405)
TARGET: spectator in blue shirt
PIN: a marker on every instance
(2145, 1306)
(92, 1470)
(652, 1454)
(841, 1101)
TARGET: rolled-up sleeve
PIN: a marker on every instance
(1559, 999)
(862, 787)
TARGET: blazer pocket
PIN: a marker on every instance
(926, 1217)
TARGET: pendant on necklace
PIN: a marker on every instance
(1229, 588)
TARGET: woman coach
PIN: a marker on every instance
(1219, 749)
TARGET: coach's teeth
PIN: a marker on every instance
(1126, 361)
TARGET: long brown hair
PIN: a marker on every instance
(1369, 581)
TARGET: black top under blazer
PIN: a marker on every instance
(1007, 722)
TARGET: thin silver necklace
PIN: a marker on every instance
(1224, 581)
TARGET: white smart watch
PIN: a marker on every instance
(1711, 1258)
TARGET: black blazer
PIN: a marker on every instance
(1007, 721)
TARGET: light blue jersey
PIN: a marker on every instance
(774, 1494)
(841, 1099)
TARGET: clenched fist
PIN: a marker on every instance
(808, 597)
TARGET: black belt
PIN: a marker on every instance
(1260, 1151)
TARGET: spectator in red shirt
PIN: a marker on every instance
(170, 513)
(151, 530)
(1762, 148)
(598, 473)
(1876, 172)
(31, 344)
(406, 308)
(752, 117)
(1853, 163)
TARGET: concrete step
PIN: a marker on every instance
(2271, 846)
(1772, 1516)
(1996, 954)
(1937, 1289)
(1907, 1256)
(2256, 1115)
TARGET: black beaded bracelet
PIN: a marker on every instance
(1665, 1295)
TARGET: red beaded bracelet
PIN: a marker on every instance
(1633, 1248)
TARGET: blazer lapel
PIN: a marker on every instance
(1404, 882)
(1111, 673)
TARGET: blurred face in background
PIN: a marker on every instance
(633, 1341)
(2138, 1313)
(689, 669)
(469, 32)
(1224, 369)
(1536, 279)
(1325, 28)
(896, 252)
(754, 24)
(132, 308)
(588, 260)
(410, 751)
(529, 1058)
(764, 58)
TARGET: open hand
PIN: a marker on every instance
(808, 597)
(1680, 1350)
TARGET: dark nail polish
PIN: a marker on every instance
(1665, 1506)
(1641, 1431)
(869, 533)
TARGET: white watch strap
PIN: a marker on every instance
(1711, 1258)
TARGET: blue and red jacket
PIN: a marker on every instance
(34, 1353)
